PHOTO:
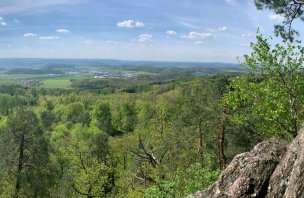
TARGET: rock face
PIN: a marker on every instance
(248, 174)
(288, 178)
(273, 169)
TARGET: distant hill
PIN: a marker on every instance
(29, 62)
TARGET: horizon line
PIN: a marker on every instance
(127, 60)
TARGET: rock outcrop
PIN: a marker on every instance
(273, 169)
(288, 178)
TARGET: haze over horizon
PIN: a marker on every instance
(187, 30)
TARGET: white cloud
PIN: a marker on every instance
(30, 34)
(246, 35)
(144, 37)
(49, 37)
(130, 24)
(198, 36)
(2, 22)
(112, 42)
(139, 24)
(222, 29)
(171, 33)
(277, 17)
(63, 31)
(16, 21)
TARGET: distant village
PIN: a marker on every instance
(29, 82)
(94, 74)
(112, 75)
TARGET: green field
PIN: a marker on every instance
(60, 77)
(19, 76)
(57, 83)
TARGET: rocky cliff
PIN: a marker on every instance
(273, 169)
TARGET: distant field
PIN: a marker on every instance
(57, 83)
(59, 73)
(61, 81)
(19, 76)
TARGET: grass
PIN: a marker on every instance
(57, 83)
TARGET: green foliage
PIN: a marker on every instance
(271, 94)
(75, 112)
(47, 118)
(77, 153)
(161, 141)
(25, 159)
(89, 177)
(184, 182)
(129, 117)
(103, 117)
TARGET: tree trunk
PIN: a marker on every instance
(20, 167)
(125, 162)
(201, 144)
(222, 156)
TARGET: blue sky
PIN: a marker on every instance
(168, 30)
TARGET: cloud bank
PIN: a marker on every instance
(130, 24)
(198, 36)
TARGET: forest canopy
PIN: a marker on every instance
(168, 133)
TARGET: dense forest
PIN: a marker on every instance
(155, 136)
(168, 139)
(165, 141)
